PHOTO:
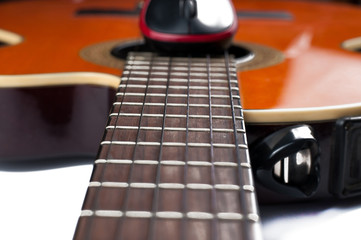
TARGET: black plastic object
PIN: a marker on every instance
(188, 25)
(287, 161)
(346, 164)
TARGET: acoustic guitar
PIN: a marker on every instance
(178, 168)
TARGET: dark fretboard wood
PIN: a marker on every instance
(173, 162)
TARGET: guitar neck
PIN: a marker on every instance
(173, 163)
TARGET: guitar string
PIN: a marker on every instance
(185, 157)
(214, 230)
(96, 198)
(157, 180)
(121, 220)
(243, 202)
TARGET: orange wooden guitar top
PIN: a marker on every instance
(316, 71)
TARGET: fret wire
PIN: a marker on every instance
(224, 130)
(179, 87)
(173, 144)
(177, 105)
(179, 69)
(174, 116)
(151, 234)
(194, 186)
(180, 80)
(213, 191)
(131, 169)
(240, 182)
(181, 74)
(170, 215)
(175, 95)
(172, 163)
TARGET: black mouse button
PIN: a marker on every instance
(164, 16)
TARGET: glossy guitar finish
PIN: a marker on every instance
(47, 121)
(316, 82)
(311, 46)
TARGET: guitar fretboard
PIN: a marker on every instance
(173, 163)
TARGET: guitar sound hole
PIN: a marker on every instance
(121, 51)
(248, 56)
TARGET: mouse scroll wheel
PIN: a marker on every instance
(188, 8)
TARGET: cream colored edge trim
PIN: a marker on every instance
(10, 37)
(314, 114)
(251, 116)
(352, 44)
(56, 79)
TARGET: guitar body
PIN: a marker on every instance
(303, 72)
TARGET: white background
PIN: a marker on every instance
(45, 205)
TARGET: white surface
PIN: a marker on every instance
(42, 204)
(313, 221)
(46, 204)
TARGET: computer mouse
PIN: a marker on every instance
(195, 25)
